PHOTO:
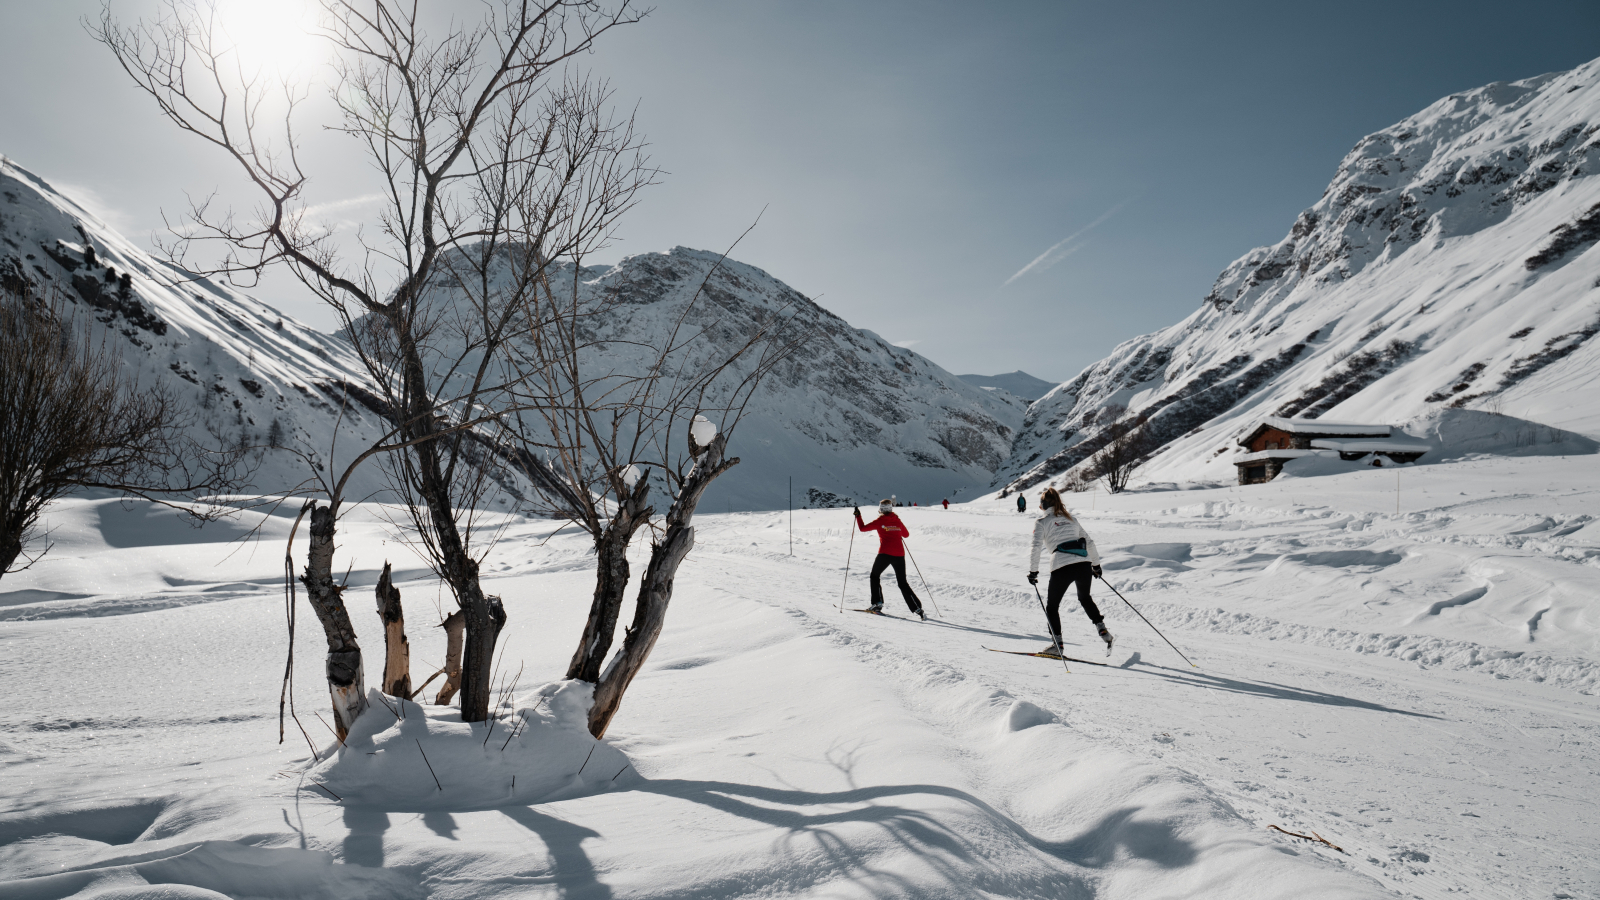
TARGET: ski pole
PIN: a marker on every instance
(1146, 621)
(847, 566)
(923, 580)
(1055, 638)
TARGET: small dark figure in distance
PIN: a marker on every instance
(1073, 560)
(891, 552)
(1022, 503)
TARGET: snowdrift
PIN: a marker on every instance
(406, 757)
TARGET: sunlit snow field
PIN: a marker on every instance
(1418, 687)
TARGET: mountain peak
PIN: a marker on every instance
(1451, 261)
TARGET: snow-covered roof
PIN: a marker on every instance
(1259, 455)
(1384, 446)
(1322, 426)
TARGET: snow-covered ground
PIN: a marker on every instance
(1418, 687)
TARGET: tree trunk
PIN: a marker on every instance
(611, 582)
(10, 549)
(346, 678)
(485, 615)
(455, 629)
(655, 591)
(397, 650)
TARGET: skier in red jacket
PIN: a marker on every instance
(891, 552)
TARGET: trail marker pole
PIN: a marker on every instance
(1146, 621)
(791, 515)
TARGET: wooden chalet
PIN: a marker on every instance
(1277, 440)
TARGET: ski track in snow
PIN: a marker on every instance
(1417, 687)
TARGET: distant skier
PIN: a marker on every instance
(1073, 559)
(891, 552)
(947, 503)
(1022, 503)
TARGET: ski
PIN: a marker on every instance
(874, 612)
(1087, 662)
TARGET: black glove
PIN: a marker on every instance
(1033, 577)
(858, 512)
(1095, 570)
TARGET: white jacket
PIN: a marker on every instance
(1054, 530)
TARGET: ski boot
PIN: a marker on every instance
(1055, 649)
(921, 614)
(1105, 636)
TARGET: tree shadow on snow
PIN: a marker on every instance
(569, 868)
(824, 841)
(848, 835)
(1268, 689)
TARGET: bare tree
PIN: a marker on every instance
(610, 427)
(482, 141)
(71, 418)
(1128, 445)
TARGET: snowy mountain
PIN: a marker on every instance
(1018, 384)
(851, 417)
(256, 377)
(1451, 262)
(848, 416)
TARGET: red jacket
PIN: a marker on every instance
(891, 532)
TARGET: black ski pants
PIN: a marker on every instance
(1080, 573)
(884, 561)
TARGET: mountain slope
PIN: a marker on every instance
(848, 415)
(1451, 261)
(255, 376)
(1018, 383)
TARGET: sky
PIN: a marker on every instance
(998, 186)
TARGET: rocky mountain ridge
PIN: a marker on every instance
(1451, 261)
(848, 417)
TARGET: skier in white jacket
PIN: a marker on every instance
(1073, 559)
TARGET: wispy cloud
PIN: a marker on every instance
(333, 207)
(907, 344)
(1065, 247)
(91, 202)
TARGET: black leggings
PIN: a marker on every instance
(884, 561)
(1082, 573)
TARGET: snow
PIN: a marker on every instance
(1406, 667)
(703, 430)
(540, 751)
(1284, 453)
(1318, 426)
(1383, 446)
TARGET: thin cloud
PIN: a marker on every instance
(90, 201)
(319, 210)
(1064, 247)
(907, 345)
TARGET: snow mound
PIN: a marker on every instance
(1319, 465)
(406, 757)
(210, 870)
(1456, 433)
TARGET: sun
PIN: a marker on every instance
(275, 37)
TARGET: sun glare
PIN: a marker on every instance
(272, 36)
